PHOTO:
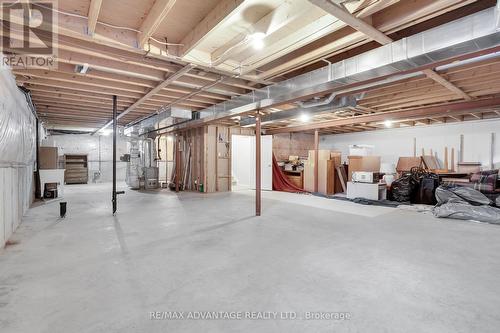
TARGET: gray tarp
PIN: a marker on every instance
(465, 203)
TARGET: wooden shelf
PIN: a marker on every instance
(76, 169)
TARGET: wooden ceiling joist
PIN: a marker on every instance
(442, 81)
(156, 15)
(154, 91)
(440, 110)
(221, 12)
(94, 9)
(342, 14)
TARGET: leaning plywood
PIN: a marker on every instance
(405, 164)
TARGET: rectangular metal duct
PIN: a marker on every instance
(476, 32)
(165, 117)
(336, 105)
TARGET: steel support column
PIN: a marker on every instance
(316, 160)
(258, 184)
(114, 155)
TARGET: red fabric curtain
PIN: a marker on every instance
(281, 182)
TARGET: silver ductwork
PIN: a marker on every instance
(332, 107)
(314, 103)
(164, 117)
(471, 34)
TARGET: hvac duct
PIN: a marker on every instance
(332, 107)
(469, 35)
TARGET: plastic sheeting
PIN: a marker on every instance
(17, 154)
(17, 123)
(464, 203)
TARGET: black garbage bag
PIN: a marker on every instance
(403, 189)
(426, 188)
(464, 203)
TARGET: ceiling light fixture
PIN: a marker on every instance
(305, 117)
(257, 39)
(388, 123)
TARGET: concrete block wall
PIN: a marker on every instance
(98, 148)
(390, 144)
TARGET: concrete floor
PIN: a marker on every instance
(390, 270)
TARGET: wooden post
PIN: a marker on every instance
(177, 162)
(452, 159)
(492, 151)
(446, 165)
(258, 183)
(316, 160)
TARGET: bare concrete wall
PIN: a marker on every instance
(99, 150)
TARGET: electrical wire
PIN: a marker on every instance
(165, 43)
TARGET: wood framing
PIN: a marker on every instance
(440, 110)
(94, 9)
(220, 13)
(358, 24)
(442, 81)
(156, 15)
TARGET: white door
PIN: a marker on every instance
(266, 162)
(243, 162)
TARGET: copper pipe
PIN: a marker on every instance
(316, 160)
(257, 166)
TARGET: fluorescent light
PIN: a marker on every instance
(305, 118)
(257, 39)
(388, 123)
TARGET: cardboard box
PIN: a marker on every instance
(48, 157)
(363, 163)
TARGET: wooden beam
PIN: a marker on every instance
(358, 24)
(316, 161)
(258, 166)
(448, 85)
(217, 16)
(94, 9)
(392, 19)
(156, 15)
(439, 110)
(155, 90)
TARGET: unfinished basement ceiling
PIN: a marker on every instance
(217, 39)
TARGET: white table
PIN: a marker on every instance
(375, 191)
(52, 176)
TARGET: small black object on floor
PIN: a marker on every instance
(62, 209)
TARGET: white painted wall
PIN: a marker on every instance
(390, 144)
(90, 145)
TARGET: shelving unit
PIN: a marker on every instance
(76, 169)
